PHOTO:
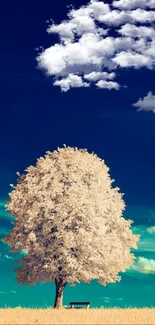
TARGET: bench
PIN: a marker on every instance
(72, 304)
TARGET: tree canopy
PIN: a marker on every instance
(69, 218)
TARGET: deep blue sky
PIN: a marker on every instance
(36, 116)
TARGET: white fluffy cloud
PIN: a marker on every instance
(130, 30)
(117, 17)
(132, 59)
(72, 81)
(87, 51)
(147, 239)
(147, 103)
(144, 265)
(142, 16)
(107, 84)
(134, 4)
(151, 229)
(96, 76)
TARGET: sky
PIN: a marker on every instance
(82, 74)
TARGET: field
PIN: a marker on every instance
(77, 316)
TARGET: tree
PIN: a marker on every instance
(69, 218)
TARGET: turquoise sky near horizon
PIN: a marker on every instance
(36, 116)
(136, 288)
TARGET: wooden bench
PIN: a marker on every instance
(72, 304)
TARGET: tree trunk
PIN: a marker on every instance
(59, 293)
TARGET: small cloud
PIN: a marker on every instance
(133, 4)
(144, 265)
(72, 81)
(106, 299)
(96, 76)
(7, 292)
(128, 59)
(151, 229)
(146, 243)
(147, 103)
(103, 84)
(8, 257)
(130, 30)
(4, 257)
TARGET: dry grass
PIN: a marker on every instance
(77, 316)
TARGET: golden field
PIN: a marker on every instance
(77, 316)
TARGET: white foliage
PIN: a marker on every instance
(69, 219)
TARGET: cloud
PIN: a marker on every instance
(95, 9)
(96, 76)
(106, 299)
(151, 229)
(147, 240)
(147, 103)
(134, 31)
(107, 85)
(87, 51)
(71, 81)
(8, 257)
(142, 16)
(79, 25)
(4, 257)
(134, 4)
(7, 292)
(132, 59)
(117, 17)
(144, 265)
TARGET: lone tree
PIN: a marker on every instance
(69, 219)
